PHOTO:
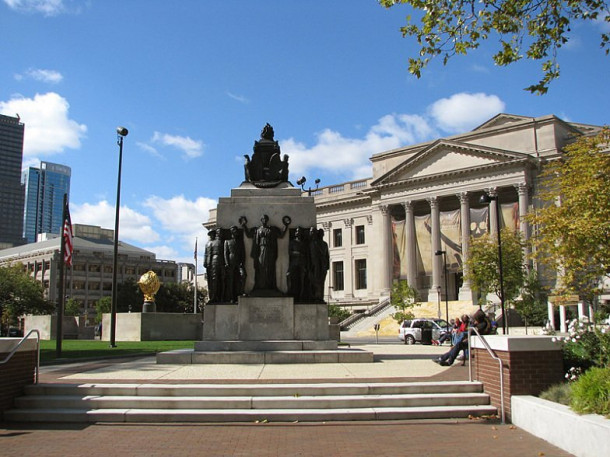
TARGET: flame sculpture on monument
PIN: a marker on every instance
(149, 285)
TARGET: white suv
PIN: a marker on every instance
(410, 331)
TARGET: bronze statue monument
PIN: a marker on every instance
(264, 250)
(266, 168)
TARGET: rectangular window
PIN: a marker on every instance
(360, 273)
(337, 238)
(360, 234)
(338, 275)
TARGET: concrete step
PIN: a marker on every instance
(190, 356)
(245, 415)
(258, 389)
(324, 401)
(295, 402)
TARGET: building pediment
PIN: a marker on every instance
(445, 157)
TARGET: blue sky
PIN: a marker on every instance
(195, 81)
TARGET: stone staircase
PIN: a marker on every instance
(324, 401)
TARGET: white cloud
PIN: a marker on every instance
(182, 217)
(47, 76)
(191, 148)
(149, 149)
(462, 112)
(179, 215)
(48, 129)
(133, 226)
(239, 98)
(335, 153)
(167, 253)
(46, 7)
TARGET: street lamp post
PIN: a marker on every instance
(444, 254)
(121, 133)
(301, 182)
(486, 198)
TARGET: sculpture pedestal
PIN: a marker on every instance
(263, 318)
(149, 307)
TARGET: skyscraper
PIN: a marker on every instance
(44, 192)
(11, 190)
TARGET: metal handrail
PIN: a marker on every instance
(8, 357)
(493, 356)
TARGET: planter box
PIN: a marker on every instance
(584, 436)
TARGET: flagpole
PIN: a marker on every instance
(62, 285)
(195, 278)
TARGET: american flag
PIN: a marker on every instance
(67, 238)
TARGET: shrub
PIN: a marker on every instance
(591, 392)
(558, 393)
(337, 311)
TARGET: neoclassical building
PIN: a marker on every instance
(425, 198)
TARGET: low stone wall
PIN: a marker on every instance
(153, 327)
(530, 365)
(585, 436)
(18, 372)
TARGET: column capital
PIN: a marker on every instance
(523, 188)
(464, 198)
(433, 201)
(327, 225)
(384, 209)
(369, 219)
(348, 222)
(408, 205)
(492, 191)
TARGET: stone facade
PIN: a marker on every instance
(90, 277)
(425, 198)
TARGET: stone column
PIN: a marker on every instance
(523, 191)
(465, 292)
(384, 256)
(563, 325)
(348, 267)
(435, 223)
(494, 207)
(327, 226)
(551, 315)
(411, 246)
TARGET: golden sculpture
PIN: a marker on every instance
(149, 285)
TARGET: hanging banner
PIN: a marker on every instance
(510, 215)
(451, 239)
(423, 232)
(478, 221)
(399, 265)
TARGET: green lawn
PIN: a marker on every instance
(78, 349)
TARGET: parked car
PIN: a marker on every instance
(410, 331)
(15, 332)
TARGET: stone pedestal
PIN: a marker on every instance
(262, 318)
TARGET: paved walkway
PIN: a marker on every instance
(393, 362)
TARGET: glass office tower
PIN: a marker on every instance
(11, 191)
(44, 193)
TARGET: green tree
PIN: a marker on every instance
(71, 307)
(20, 294)
(532, 303)
(403, 297)
(102, 306)
(573, 223)
(483, 260)
(532, 29)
